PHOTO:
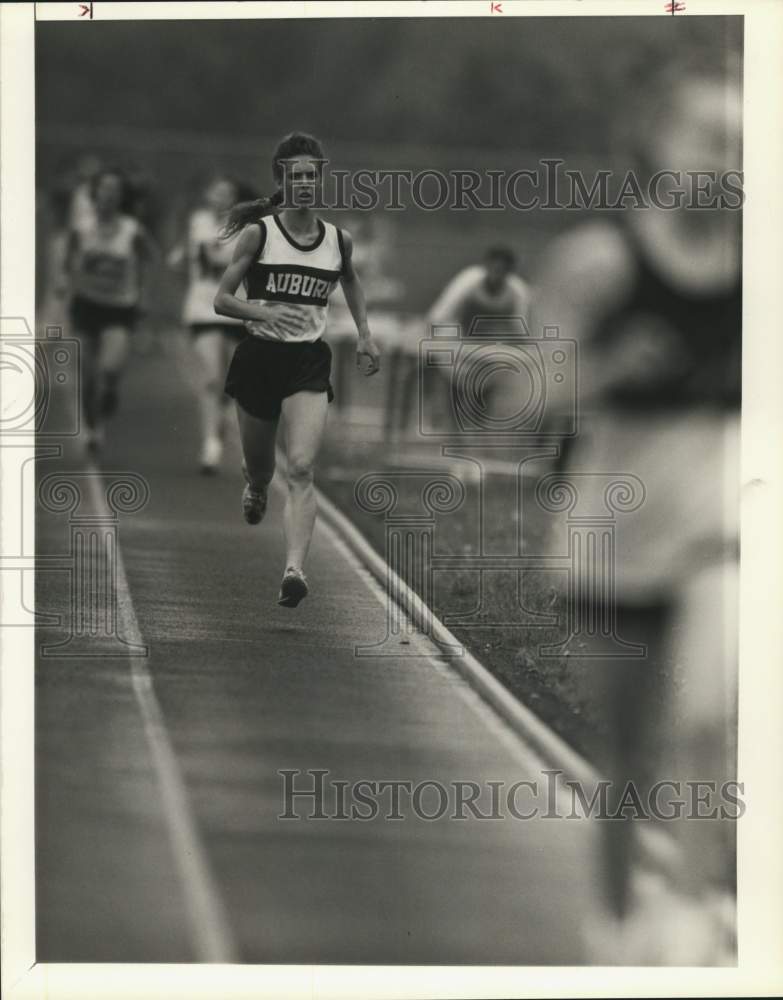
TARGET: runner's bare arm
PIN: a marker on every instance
(447, 308)
(226, 301)
(354, 297)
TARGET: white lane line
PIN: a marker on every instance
(209, 926)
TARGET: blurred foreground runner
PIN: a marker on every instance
(654, 300)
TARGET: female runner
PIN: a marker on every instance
(106, 261)
(290, 262)
(654, 300)
(214, 338)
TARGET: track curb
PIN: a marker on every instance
(659, 851)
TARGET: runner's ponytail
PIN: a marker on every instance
(245, 212)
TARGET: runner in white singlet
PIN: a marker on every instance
(290, 261)
(214, 337)
(104, 273)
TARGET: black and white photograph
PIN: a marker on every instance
(387, 399)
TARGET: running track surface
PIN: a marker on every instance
(158, 837)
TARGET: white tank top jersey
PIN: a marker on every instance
(106, 268)
(296, 275)
(208, 257)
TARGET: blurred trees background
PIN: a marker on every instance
(488, 82)
(178, 100)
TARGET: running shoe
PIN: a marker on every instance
(253, 504)
(293, 589)
(211, 454)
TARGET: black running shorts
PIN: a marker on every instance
(93, 317)
(263, 372)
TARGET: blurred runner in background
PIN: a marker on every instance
(81, 207)
(490, 289)
(103, 277)
(654, 300)
(67, 204)
(214, 337)
(487, 299)
(142, 201)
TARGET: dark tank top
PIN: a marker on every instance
(702, 334)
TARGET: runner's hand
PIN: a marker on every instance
(282, 314)
(367, 348)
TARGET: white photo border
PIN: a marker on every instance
(760, 832)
